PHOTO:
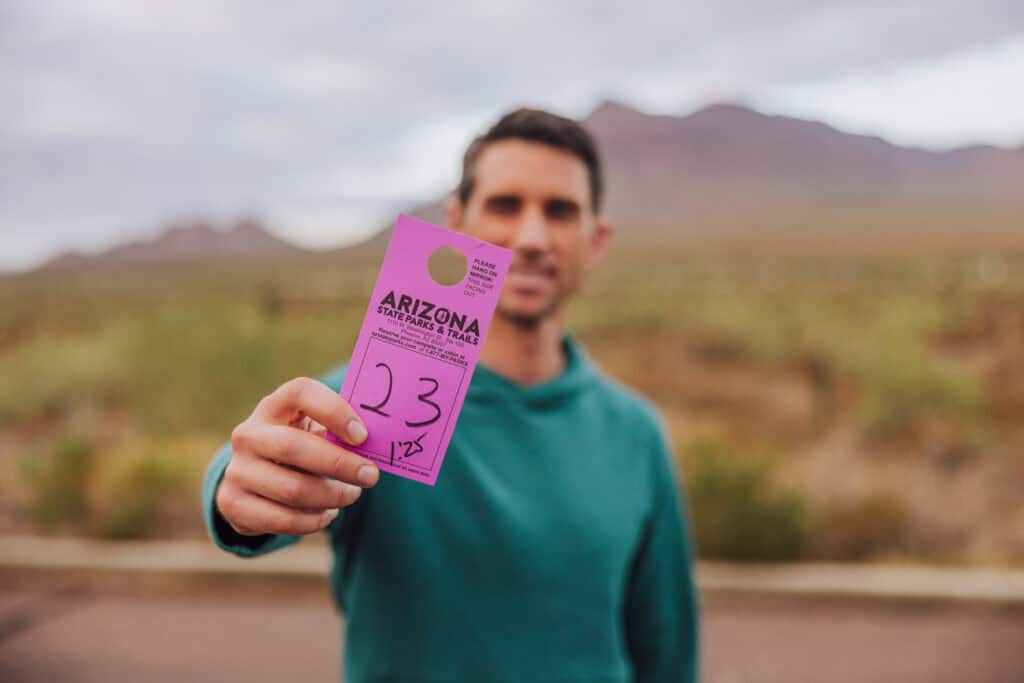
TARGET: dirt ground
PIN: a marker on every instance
(62, 633)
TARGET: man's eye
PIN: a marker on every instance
(561, 210)
(503, 205)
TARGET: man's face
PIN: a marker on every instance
(535, 200)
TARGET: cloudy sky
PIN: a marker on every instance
(325, 118)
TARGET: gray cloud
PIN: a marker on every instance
(119, 115)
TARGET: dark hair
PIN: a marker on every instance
(535, 125)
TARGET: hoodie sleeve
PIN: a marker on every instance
(221, 533)
(661, 608)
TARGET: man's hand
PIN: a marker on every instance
(277, 480)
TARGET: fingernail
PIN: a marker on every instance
(356, 491)
(329, 516)
(367, 475)
(347, 492)
(356, 431)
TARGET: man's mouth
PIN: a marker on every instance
(531, 276)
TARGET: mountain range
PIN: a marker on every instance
(724, 167)
(728, 163)
(194, 240)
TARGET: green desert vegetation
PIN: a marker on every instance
(828, 402)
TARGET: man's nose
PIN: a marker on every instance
(533, 233)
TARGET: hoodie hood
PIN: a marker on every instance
(487, 386)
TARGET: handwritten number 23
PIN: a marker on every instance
(423, 398)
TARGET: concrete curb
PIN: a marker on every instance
(312, 560)
(904, 582)
(158, 557)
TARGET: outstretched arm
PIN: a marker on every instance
(276, 481)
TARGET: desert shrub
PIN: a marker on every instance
(737, 514)
(129, 490)
(57, 480)
(901, 386)
(137, 489)
(148, 485)
(45, 374)
(861, 529)
(734, 323)
(620, 313)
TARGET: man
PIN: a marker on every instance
(553, 547)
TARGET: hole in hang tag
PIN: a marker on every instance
(447, 266)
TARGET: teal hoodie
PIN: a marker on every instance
(553, 547)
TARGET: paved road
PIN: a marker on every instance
(65, 634)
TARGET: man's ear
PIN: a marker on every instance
(453, 213)
(598, 243)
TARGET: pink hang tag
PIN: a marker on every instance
(418, 346)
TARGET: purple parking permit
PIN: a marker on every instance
(418, 346)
